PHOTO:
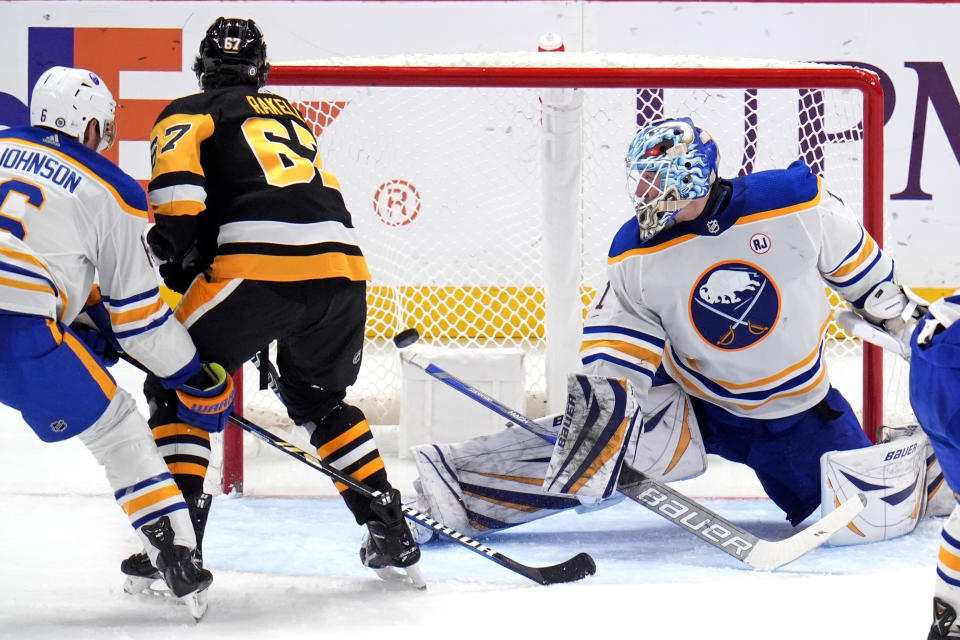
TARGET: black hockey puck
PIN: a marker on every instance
(406, 338)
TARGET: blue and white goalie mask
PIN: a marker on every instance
(669, 163)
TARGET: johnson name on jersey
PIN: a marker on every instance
(733, 304)
(68, 217)
(251, 164)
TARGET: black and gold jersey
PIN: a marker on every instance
(237, 172)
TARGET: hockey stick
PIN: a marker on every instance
(576, 568)
(663, 500)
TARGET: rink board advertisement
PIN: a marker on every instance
(144, 51)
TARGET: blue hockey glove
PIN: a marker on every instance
(97, 344)
(207, 398)
(93, 327)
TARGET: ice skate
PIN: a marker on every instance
(944, 621)
(180, 567)
(389, 545)
(141, 577)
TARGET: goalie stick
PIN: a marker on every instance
(576, 568)
(665, 501)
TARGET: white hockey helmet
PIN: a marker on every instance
(66, 99)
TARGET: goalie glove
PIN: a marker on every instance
(206, 398)
(893, 310)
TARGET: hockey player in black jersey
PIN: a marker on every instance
(257, 237)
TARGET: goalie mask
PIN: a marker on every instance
(669, 163)
(67, 99)
(232, 52)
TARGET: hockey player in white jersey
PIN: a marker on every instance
(934, 386)
(71, 220)
(716, 314)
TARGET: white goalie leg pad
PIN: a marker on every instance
(669, 446)
(438, 489)
(489, 482)
(121, 441)
(597, 430)
(891, 475)
(940, 497)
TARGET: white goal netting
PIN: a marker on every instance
(486, 189)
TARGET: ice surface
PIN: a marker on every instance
(287, 567)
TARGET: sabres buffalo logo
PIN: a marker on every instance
(734, 305)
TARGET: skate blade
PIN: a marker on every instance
(136, 586)
(409, 575)
(196, 604)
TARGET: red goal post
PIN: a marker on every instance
(331, 90)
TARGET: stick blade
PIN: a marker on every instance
(406, 338)
(576, 568)
(768, 555)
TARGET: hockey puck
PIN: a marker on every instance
(406, 338)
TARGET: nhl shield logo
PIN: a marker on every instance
(734, 305)
(58, 426)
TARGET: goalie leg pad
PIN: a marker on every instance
(940, 497)
(891, 475)
(599, 426)
(489, 482)
(669, 446)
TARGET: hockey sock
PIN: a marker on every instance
(142, 485)
(343, 439)
(186, 450)
(948, 562)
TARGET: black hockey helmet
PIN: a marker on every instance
(232, 52)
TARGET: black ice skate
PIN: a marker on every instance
(389, 544)
(141, 576)
(179, 567)
(944, 617)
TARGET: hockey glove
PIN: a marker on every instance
(896, 311)
(206, 398)
(176, 277)
(97, 344)
(177, 273)
(93, 327)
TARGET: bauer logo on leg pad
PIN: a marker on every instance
(598, 427)
(891, 475)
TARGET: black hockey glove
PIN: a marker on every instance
(177, 277)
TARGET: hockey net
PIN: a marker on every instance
(486, 190)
